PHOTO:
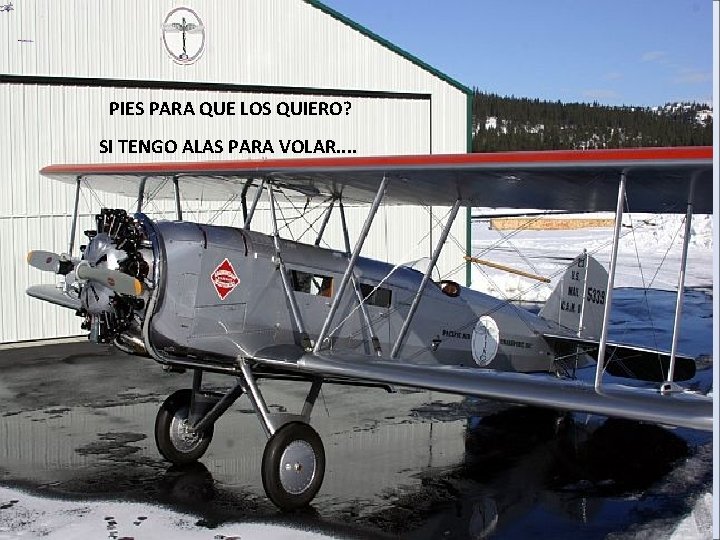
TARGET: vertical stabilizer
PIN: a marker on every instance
(578, 301)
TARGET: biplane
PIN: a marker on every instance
(254, 306)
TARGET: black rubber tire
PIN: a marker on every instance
(177, 406)
(292, 432)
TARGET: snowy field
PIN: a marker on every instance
(26, 516)
(650, 257)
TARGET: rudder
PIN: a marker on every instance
(578, 301)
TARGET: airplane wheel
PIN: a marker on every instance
(173, 437)
(293, 466)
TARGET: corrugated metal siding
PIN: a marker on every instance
(252, 42)
(270, 42)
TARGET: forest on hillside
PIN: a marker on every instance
(510, 123)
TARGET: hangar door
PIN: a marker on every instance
(76, 122)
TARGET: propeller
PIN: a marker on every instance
(114, 280)
(117, 281)
(47, 261)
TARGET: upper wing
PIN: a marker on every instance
(657, 178)
(645, 404)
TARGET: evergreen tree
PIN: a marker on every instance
(532, 124)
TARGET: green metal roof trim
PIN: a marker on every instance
(372, 35)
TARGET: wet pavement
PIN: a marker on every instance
(76, 421)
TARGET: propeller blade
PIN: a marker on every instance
(46, 261)
(112, 279)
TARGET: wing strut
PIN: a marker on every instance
(178, 207)
(425, 279)
(305, 340)
(361, 301)
(141, 194)
(251, 213)
(243, 198)
(681, 284)
(325, 220)
(73, 227)
(351, 263)
(611, 283)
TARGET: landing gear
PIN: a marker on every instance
(174, 436)
(293, 466)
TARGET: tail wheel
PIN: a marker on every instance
(174, 439)
(293, 466)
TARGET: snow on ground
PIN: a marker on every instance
(27, 517)
(649, 255)
(698, 524)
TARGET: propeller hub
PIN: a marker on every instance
(101, 253)
(112, 271)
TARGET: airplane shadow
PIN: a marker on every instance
(609, 457)
(526, 462)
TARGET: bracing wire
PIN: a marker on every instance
(223, 208)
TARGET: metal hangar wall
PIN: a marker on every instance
(72, 74)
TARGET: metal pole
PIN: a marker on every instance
(584, 294)
(73, 226)
(196, 387)
(243, 198)
(681, 279)
(468, 245)
(325, 220)
(178, 207)
(218, 409)
(610, 283)
(283, 275)
(251, 213)
(425, 279)
(351, 263)
(310, 399)
(141, 194)
(431, 225)
(363, 309)
(247, 382)
(343, 222)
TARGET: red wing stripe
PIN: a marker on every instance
(554, 157)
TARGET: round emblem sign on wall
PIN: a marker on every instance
(183, 35)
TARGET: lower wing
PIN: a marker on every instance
(54, 295)
(644, 404)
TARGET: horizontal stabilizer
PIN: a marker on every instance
(50, 293)
(627, 360)
(644, 404)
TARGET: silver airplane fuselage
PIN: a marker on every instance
(219, 294)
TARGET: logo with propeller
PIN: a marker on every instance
(183, 35)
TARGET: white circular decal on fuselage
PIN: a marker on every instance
(485, 341)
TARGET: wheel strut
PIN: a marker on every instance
(293, 465)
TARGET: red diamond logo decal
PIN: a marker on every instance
(224, 279)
